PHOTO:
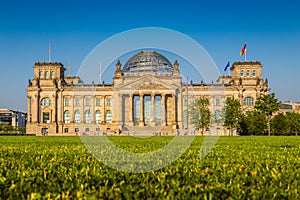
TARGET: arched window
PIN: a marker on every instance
(253, 73)
(67, 117)
(242, 72)
(248, 73)
(217, 116)
(87, 117)
(41, 74)
(52, 74)
(248, 101)
(46, 102)
(108, 116)
(47, 73)
(77, 116)
(98, 116)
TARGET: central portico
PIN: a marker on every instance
(148, 88)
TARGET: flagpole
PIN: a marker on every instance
(246, 56)
(100, 73)
(49, 52)
(228, 70)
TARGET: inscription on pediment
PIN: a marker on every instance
(152, 86)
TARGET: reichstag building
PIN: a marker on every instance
(147, 93)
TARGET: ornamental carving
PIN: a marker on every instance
(152, 86)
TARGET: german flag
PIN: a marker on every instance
(244, 49)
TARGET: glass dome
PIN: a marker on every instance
(148, 62)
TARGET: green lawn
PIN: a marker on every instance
(237, 168)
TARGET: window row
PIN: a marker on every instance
(66, 130)
(87, 102)
(248, 72)
(87, 117)
(47, 73)
(217, 102)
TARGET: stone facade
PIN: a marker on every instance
(64, 105)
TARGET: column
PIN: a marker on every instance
(130, 110)
(29, 109)
(179, 110)
(36, 114)
(92, 110)
(71, 101)
(163, 109)
(174, 111)
(121, 110)
(141, 110)
(103, 113)
(54, 113)
(152, 109)
(59, 108)
(82, 112)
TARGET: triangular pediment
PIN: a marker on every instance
(147, 82)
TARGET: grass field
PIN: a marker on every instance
(237, 168)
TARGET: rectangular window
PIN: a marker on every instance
(87, 130)
(97, 129)
(108, 102)
(76, 130)
(46, 117)
(66, 130)
(87, 102)
(253, 73)
(67, 102)
(217, 102)
(77, 102)
(98, 102)
(185, 102)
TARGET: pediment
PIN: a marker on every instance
(147, 83)
(151, 86)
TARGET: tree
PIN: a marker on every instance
(267, 104)
(280, 125)
(199, 113)
(294, 121)
(232, 113)
(253, 123)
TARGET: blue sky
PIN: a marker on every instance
(270, 28)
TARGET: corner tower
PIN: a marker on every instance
(44, 94)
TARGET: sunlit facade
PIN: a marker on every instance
(147, 93)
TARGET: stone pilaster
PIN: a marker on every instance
(29, 114)
(72, 109)
(141, 110)
(163, 109)
(92, 110)
(130, 106)
(152, 109)
(82, 111)
(103, 113)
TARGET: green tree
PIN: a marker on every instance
(280, 125)
(267, 104)
(199, 113)
(294, 121)
(232, 113)
(253, 123)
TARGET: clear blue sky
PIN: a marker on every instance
(270, 28)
